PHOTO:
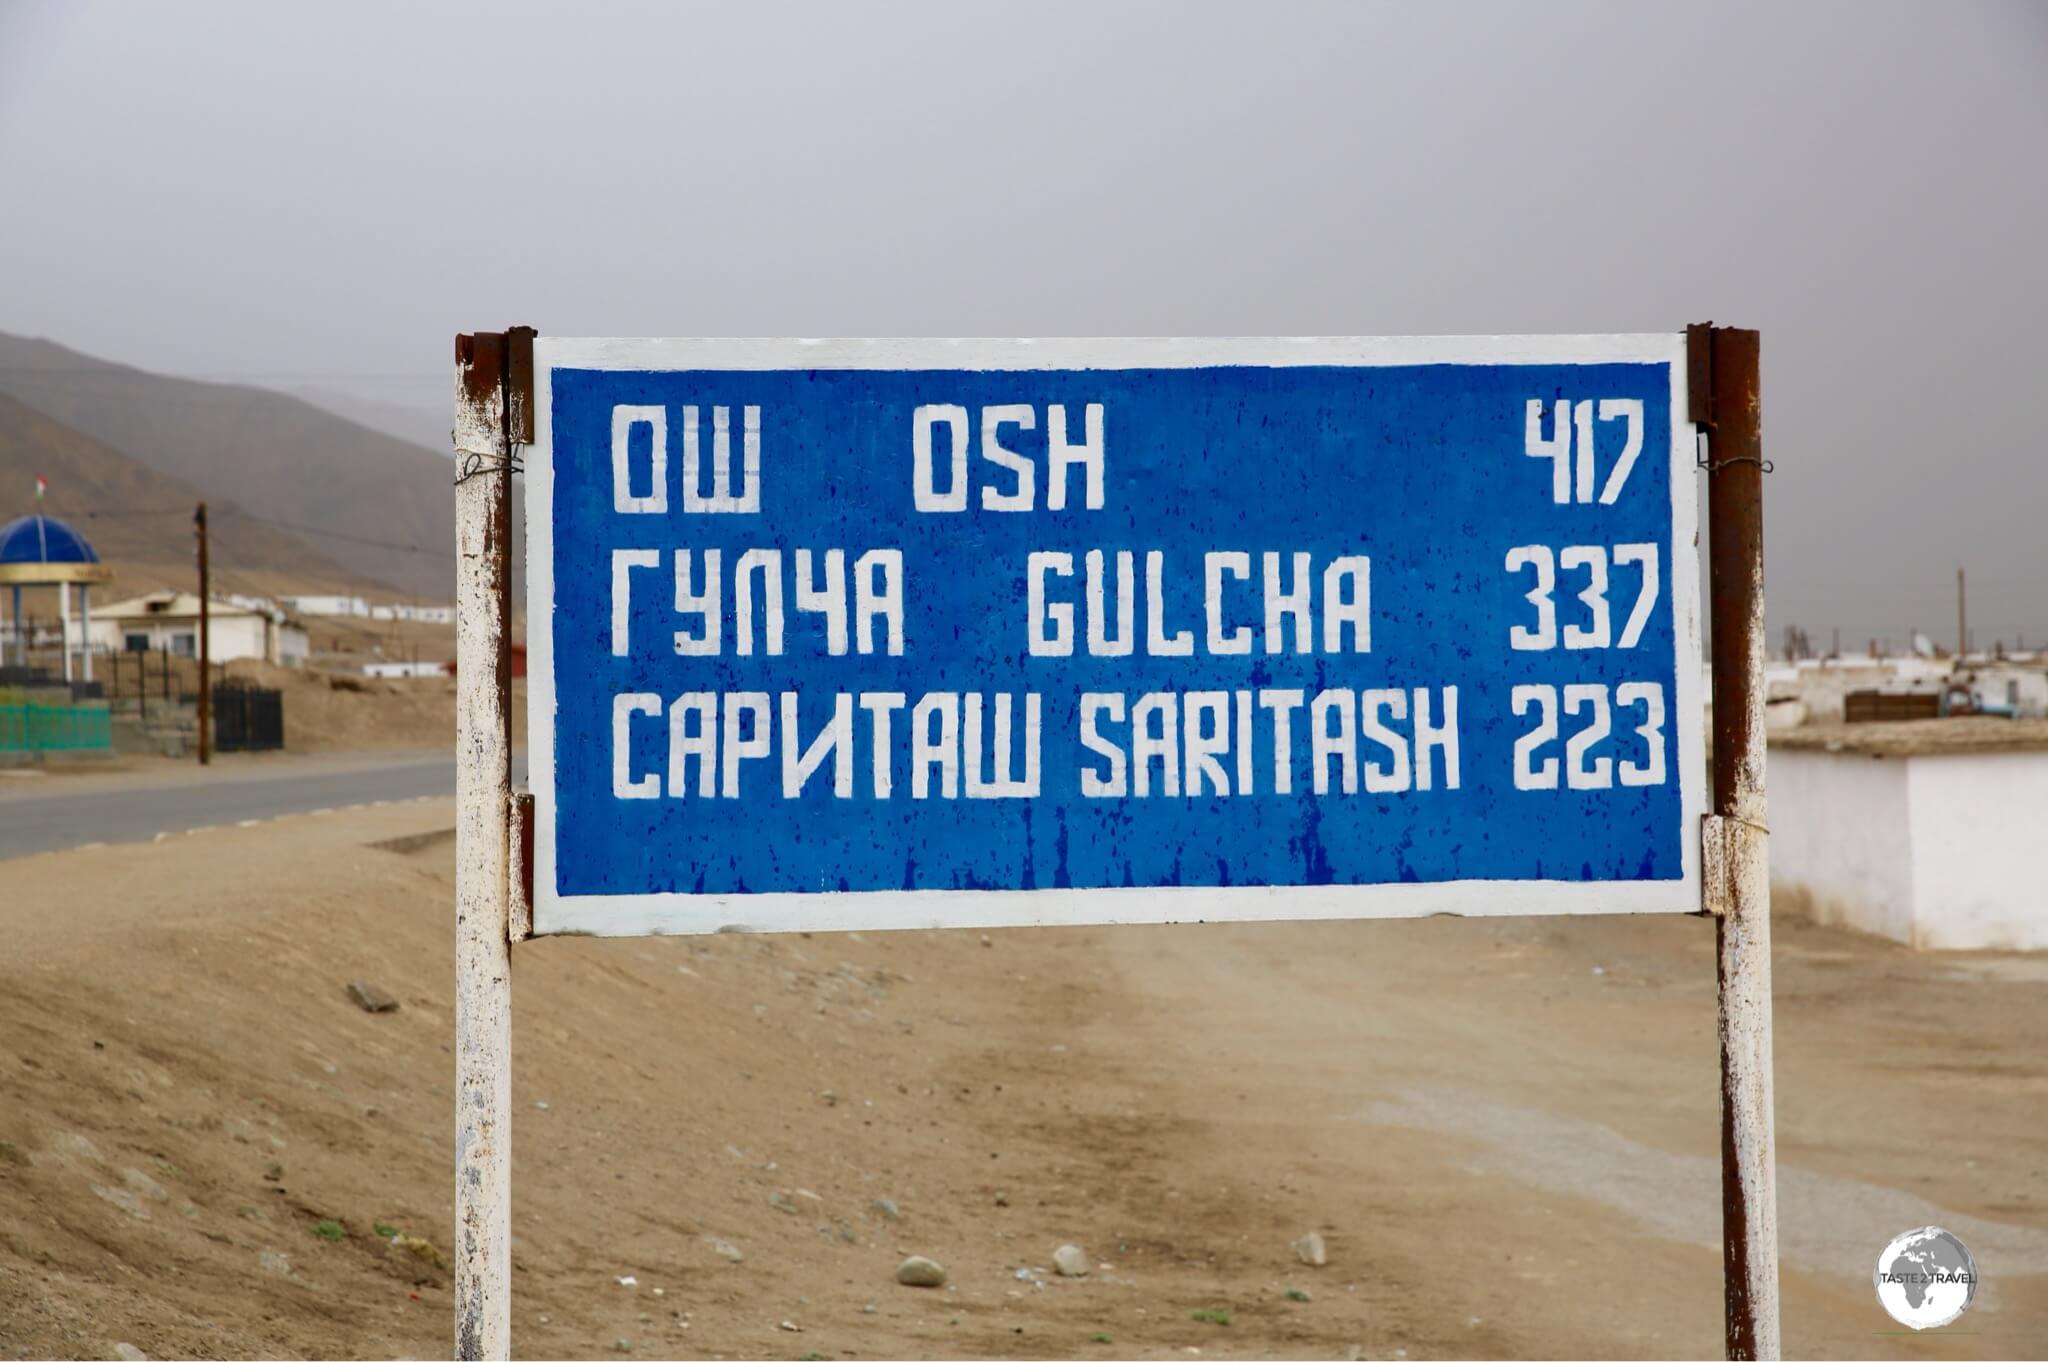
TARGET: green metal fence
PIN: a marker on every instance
(56, 728)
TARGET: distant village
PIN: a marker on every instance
(1833, 690)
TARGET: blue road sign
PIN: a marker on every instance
(845, 634)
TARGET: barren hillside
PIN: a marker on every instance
(280, 457)
(140, 520)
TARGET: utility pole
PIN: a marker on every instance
(205, 642)
(1962, 617)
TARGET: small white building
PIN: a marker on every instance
(2020, 687)
(324, 606)
(168, 621)
(416, 614)
(356, 607)
(1926, 832)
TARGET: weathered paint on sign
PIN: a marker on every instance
(846, 634)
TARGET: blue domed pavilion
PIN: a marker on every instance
(40, 550)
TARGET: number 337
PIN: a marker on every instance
(1592, 559)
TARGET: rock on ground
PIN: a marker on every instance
(1069, 1261)
(370, 998)
(1311, 1249)
(920, 1271)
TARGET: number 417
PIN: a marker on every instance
(1570, 446)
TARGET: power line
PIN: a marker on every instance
(232, 510)
(137, 510)
(338, 534)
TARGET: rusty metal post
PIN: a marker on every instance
(1726, 403)
(483, 779)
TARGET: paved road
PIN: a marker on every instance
(51, 813)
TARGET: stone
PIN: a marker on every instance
(790, 1326)
(128, 1352)
(122, 1197)
(142, 1184)
(725, 1248)
(370, 998)
(888, 1209)
(920, 1271)
(1311, 1250)
(73, 1143)
(782, 1203)
(273, 1261)
(274, 1173)
(1069, 1261)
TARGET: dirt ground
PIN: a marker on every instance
(1505, 1130)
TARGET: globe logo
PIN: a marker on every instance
(1925, 1278)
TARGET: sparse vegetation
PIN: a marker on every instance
(1100, 1338)
(420, 1249)
(1210, 1316)
(331, 1230)
(1295, 1293)
(384, 1231)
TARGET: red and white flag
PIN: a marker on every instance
(42, 486)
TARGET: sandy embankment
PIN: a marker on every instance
(1505, 1130)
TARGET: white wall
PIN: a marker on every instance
(1941, 852)
(1980, 861)
(228, 637)
(1839, 832)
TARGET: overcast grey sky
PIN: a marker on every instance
(325, 194)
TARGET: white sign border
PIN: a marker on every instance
(830, 911)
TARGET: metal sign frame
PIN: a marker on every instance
(1716, 404)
